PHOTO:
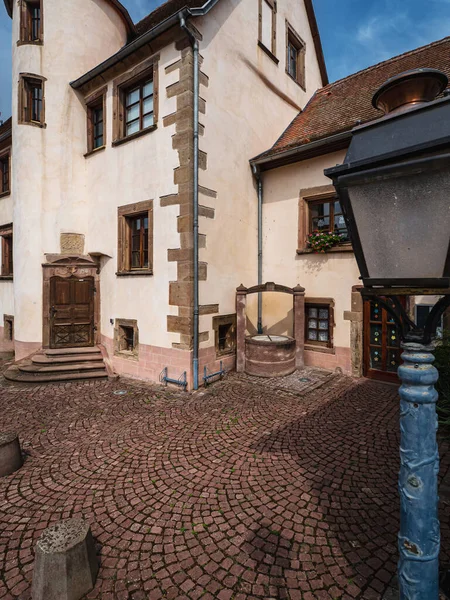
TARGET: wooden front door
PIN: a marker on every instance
(381, 343)
(71, 312)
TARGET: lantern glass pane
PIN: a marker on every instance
(402, 223)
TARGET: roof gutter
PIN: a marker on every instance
(126, 51)
(145, 38)
(339, 141)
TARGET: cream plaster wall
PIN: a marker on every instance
(48, 165)
(244, 116)
(323, 276)
(141, 169)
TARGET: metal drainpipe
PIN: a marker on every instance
(257, 175)
(194, 43)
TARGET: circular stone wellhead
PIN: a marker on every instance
(409, 89)
(66, 565)
(10, 453)
(269, 355)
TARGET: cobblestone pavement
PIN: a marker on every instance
(241, 491)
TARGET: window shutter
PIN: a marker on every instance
(90, 130)
(5, 257)
(23, 21)
(42, 115)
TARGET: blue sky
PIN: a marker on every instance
(355, 33)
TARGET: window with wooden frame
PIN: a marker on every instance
(320, 210)
(267, 27)
(295, 56)
(135, 97)
(225, 334)
(6, 234)
(5, 173)
(319, 322)
(31, 100)
(135, 239)
(31, 23)
(96, 120)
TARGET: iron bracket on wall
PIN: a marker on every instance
(207, 378)
(181, 381)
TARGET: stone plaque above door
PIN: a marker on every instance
(72, 243)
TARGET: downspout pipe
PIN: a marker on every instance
(258, 178)
(194, 43)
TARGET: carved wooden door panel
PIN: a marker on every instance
(71, 312)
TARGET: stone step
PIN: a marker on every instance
(69, 351)
(58, 368)
(14, 374)
(42, 359)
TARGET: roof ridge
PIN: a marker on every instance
(150, 13)
(382, 62)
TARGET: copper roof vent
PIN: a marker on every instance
(409, 89)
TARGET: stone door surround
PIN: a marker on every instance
(66, 266)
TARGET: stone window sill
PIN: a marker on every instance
(268, 52)
(299, 83)
(127, 355)
(92, 152)
(226, 353)
(30, 43)
(323, 349)
(6, 277)
(5, 194)
(143, 273)
(133, 136)
(334, 250)
(34, 124)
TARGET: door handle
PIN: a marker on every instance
(53, 311)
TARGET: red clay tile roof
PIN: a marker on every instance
(338, 106)
(164, 11)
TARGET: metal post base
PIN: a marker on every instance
(419, 537)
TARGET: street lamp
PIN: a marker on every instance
(394, 189)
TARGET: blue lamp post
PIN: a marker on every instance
(394, 188)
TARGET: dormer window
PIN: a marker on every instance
(31, 22)
(267, 29)
(295, 56)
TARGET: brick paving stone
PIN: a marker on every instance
(247, 490)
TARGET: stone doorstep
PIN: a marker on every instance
(67, 364)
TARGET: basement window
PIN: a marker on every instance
(8, 328)
(225, 334)
(126, 338)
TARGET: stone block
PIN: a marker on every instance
(10, 454)
(66, 565)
